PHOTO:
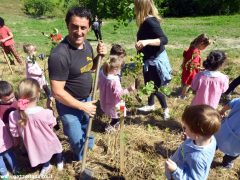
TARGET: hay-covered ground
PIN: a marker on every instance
(148, 140)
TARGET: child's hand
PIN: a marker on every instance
(201, 68)
(49, 103)
(183, 136)
(170, 165)
(132, 87)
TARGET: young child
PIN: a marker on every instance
(35, 126)
(34, 71)
(118, 50)
(7, 42)
(6, 152)
(228, 136)
(111, 89)
(193, 158)
(8, 101)
(211, 83)
(192, 61)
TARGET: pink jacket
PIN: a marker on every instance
(35, 69)
(5, 137)
(38, 136)
(4, 108)
(209, 86)
(110, 93)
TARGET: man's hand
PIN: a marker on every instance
(89, 108)
(101, 49)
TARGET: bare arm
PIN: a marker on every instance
(65, 98)
(102, 51)
(7, 38)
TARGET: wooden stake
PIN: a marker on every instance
(122, 140)
(6, 58)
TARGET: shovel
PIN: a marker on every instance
(87, 173)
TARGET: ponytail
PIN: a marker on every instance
(23, 118)
(27, 92)
(106, 68)
(214, 60)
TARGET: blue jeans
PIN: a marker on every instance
(75, 126)
(10, 157)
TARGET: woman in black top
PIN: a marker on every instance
(151, 41)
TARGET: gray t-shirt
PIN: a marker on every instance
(67, 63)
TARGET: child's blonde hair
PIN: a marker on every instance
(202, 119)
(29, 48)
(114, 62)
(144, 8)
(28, 89)
(201, 39)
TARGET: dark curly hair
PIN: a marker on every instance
(2, 23)
(79, 12)
(214, 60)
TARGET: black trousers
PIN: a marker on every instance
(233, 85)
(98, 34)
(152, 75)
(228, 159)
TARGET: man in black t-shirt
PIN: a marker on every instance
(70, 65)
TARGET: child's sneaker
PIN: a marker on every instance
(109, 129)
(166, 115)
(60, 166)
(182, 97)
(45, 170)
(116, 126)
(5, 177)
(146, 108)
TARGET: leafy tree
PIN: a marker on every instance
(38, 7)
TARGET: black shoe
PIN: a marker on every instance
(12, 63)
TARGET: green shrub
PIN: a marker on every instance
(38, 7)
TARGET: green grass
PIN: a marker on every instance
(148, 140)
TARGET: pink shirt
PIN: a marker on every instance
(35, 69)
(110, 93)
(4, 32)
(38, 137)
(209, 86)
(5, 137)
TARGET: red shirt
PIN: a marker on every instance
(5, 32)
